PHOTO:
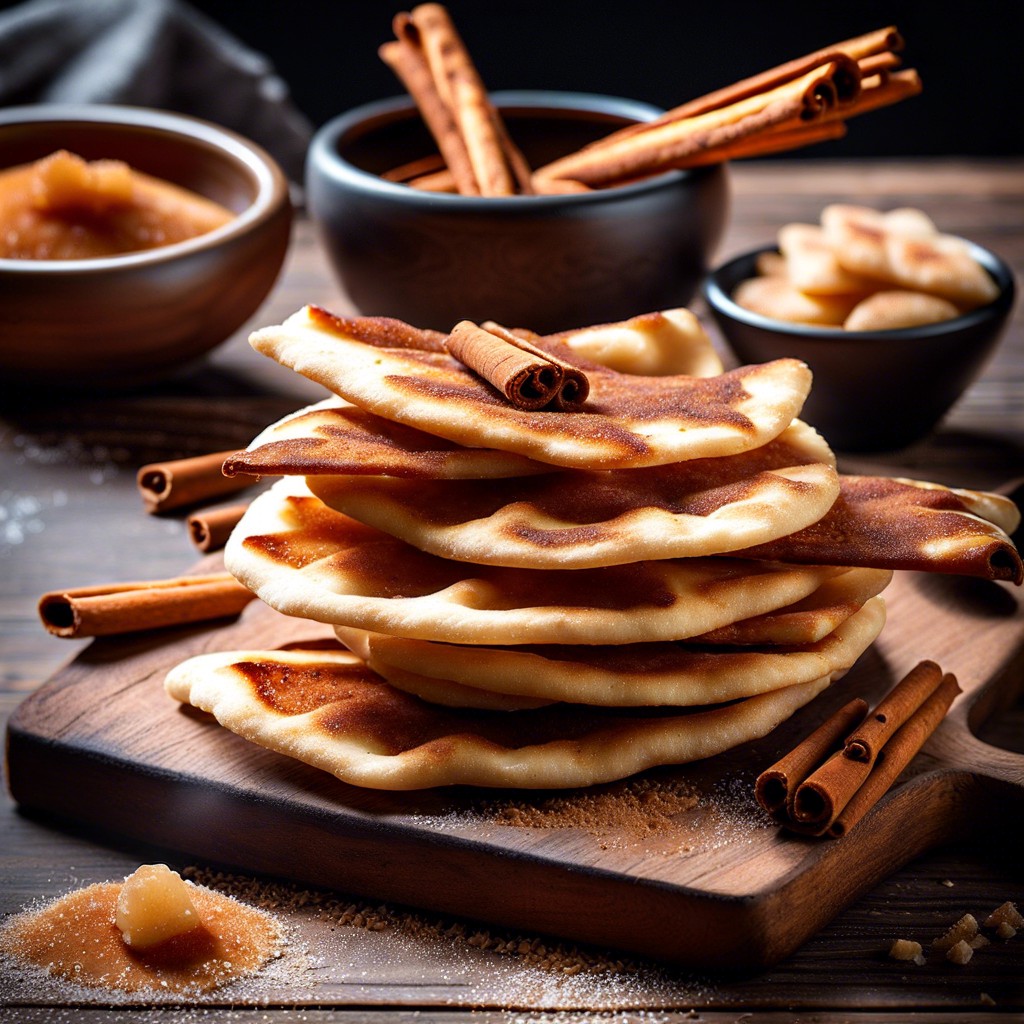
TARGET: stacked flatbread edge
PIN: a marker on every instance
(548, 599)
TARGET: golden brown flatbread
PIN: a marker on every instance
(304, 559)
(808, 620)
(575, 519)
(629, 421)
(908, 524)
(335, 437)
(627, 675)
(331, 711)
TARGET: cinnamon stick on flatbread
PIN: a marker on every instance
(526, 379)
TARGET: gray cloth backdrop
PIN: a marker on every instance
(150, 53)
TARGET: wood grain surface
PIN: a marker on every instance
(70, 516)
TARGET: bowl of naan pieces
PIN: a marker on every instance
(894, 317)
(651, 562)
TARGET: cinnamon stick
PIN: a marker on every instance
(437, 181)
(818, 789)
(826, 791)
(497, 165)
(165, 486)
(211, 528)
(108, 609)
(415, 169)
(902, 701)
(781, 139)
(409, 64)
(573, 389)
(776, 785)
(660, 146)
(846, 80)
(898, 752)
(526, 380)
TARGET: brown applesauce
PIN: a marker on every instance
(64, 208)
(75, 938)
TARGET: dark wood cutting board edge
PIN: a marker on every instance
(82, 748)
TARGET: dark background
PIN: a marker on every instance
(970, 56)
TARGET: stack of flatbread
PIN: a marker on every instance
(551, 599)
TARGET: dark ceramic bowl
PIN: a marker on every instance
(132, 318)
(872, 390)
(543, 262)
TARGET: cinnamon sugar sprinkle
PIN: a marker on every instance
(635, 810)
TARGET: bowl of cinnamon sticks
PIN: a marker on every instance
(544, 260)
(549, 209)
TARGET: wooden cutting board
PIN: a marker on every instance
(721, 888)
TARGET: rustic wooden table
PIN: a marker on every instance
(69, 514)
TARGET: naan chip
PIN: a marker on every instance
(865, 242)
(335, 437)
(331, 711)
(779, 299)
(628, 421)
(811, 264)
(893, 309)
(908, 524)
(304, 559)
(576, 519)
(808, 620)
(628, 675)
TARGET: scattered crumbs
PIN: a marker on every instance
(948, 883)
(986, 1000)
(907, 949)
(1005, 914)
(960, 952)
(963, 931)
(1005, 930)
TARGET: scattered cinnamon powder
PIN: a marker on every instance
(75, 938)
(638, 808)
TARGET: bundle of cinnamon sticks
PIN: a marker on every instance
(429, 58)
(841, 770)
(796, 104)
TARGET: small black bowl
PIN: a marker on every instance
(873, 390)
(544, 262)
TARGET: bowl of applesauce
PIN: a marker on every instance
(132, 241)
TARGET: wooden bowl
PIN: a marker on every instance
(132, 318)
(872, 390)
(544, 262)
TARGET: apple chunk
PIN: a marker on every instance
(154, 906)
